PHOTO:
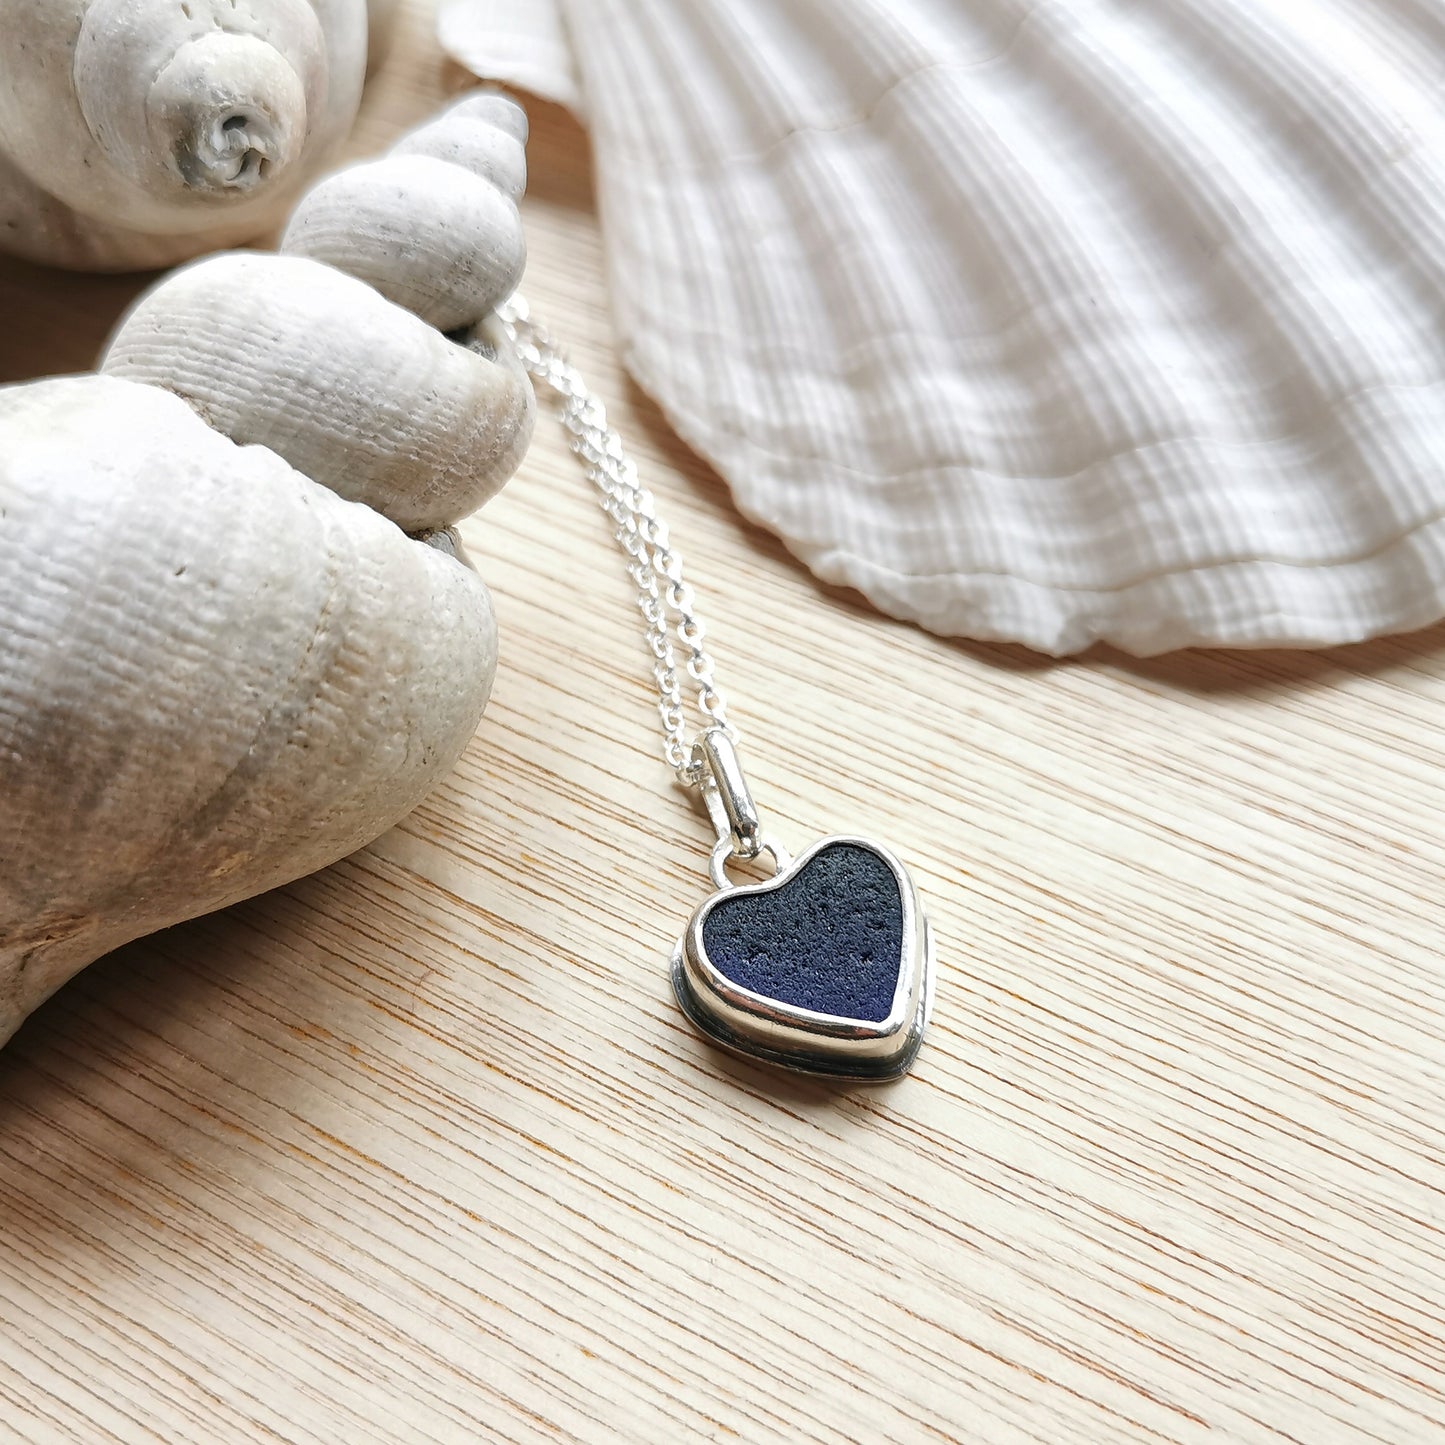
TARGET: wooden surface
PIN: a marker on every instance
(419, 1149)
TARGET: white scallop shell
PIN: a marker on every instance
(1047, 320)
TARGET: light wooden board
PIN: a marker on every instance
(419, 1149)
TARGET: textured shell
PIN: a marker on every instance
(479, 135)
(434, 226)
(219, 676)
(141, 132)
(352, 390)
(409, 226)
(1046, 322)
(524, 45)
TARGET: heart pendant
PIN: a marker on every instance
(826, 967)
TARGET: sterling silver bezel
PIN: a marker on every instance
(758, 1027)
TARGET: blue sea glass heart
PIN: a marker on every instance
(827, 967)
(830, 939)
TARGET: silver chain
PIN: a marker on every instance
(663, 598)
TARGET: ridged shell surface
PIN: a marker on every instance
(1051, 322)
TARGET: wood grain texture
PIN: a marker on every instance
(419, 1149)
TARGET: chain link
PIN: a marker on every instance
(663, 598)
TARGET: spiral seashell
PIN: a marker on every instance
(483, 133)
(352, 390)
(218, 675)
(139, 132)
(433, 226)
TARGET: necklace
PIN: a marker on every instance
(825, 967)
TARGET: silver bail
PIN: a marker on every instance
(725, 791)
